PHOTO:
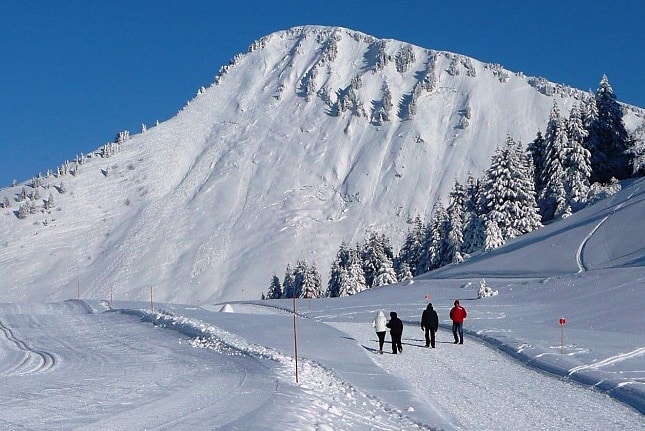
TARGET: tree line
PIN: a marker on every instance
(578, 160)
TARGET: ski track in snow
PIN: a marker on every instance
(609, 361)
(30, 361)
(581, 248)
(580, 254)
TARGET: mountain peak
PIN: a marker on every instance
(314, 136)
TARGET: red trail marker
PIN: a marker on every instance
(563, 322)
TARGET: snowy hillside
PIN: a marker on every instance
(314, 136)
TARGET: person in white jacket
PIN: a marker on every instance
(379, 325)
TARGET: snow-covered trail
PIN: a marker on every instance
(481, 388)
(109, 371)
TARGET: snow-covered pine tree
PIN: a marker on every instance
(352, 278)
(588, 111)
(49, 203)
(424, 256)
(456, 222)
(453, 67)
(342, 262)
(275, 288)
(553, 198)
(412, 248)
(382, 59)
(412, 105)
(474, 234)
(299, 276)
(429, 81)
(387, 247)
(385, 274)
(537, 152)
(434, 244)
(23, 210)
(382, 110)
(312, 283)
(609, 142)
(376, 251)
(528, 213)
(121, 137)
(638, 138)
(494, 237)
(578, 161)
(288, 283)
(22, 195)
(404, 58)
(333, 284)
(509, 197)
(404, 273)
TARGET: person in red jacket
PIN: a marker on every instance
(457, 315)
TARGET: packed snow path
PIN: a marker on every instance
(482, 389)
(469, 387)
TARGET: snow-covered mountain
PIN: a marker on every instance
(314, 136)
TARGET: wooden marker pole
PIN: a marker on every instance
(295, 337)
(152, 307)
(563, 322)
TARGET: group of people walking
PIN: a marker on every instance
(429, 324)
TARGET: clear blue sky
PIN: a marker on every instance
(74, 73)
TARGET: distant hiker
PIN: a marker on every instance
(429, 324)
(379, 325)
(457, 315)
(396, 332)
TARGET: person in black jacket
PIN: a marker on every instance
(396, 332)
(429, 324)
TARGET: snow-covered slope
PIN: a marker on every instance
(81, 365)
(607, 235)
(275, 162)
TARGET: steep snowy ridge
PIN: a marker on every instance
(292, 150)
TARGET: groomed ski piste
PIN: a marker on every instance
(87, 364)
